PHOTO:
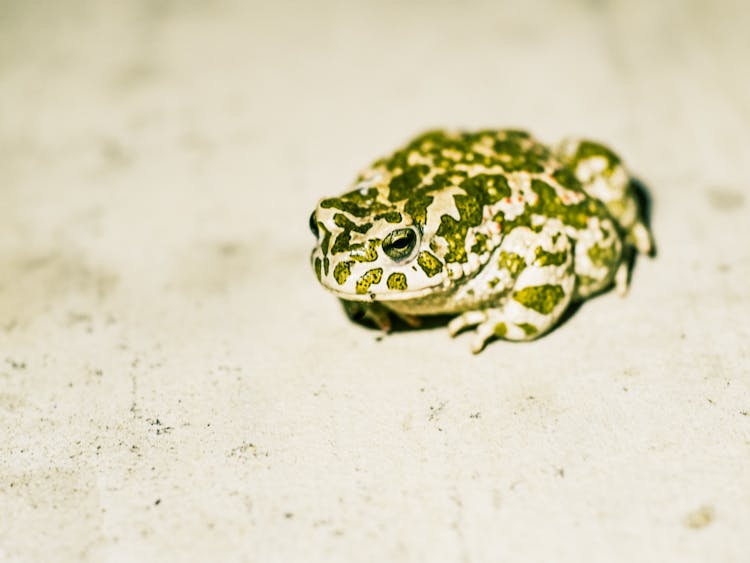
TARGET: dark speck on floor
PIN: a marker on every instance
(725, 199)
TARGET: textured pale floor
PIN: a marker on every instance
(175, 386)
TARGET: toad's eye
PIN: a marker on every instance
(399, 244)
(314, 225)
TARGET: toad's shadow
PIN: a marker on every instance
(645, 208)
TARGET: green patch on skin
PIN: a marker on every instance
(406, 186)
(446, 180)
(390, 216)
(500, 330)
(540, 298)
(429, 263)
(417, 206)
(369, 253)
(493, 282)
(517, 153)
(589, 149)
(486, 189)
(326, 240)
(397, 281)
(342, 271)
(512, 262)
(602, 255)
(342, 243)
(403, 185)
(522, 220)
(495, 185)
(576, 215)
(528, 329)
(567, 179)
(454, 232)
(370, 277)
(544, 258)
(420, 145)
(470, 207)
(356, 203)
(480, 245)
(438, 143)
(318, 267)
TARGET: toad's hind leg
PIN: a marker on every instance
(599, 258)
(535, 284)
(603, 176)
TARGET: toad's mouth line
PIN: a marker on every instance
(385, 295)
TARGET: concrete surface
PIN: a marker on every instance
(175, 386)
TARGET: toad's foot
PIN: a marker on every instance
(639, 241)
(622, 279)
(377, 315)
(491, 323)
(641, 238)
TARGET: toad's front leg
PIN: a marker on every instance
(542, 284)
(376, 314)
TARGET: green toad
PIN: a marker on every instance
(491, 226)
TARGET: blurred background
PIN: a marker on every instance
(230, 119)
(173, 383)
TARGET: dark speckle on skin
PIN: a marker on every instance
(725, 199)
